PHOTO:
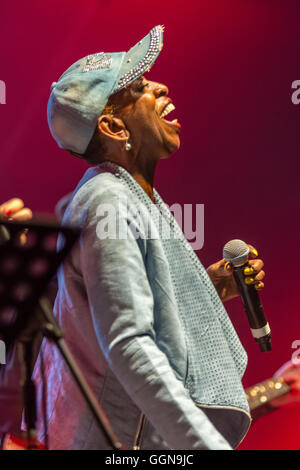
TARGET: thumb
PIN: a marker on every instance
(225, 266)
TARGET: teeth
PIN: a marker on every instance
(170, 107)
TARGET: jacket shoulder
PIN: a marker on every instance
(94, 189)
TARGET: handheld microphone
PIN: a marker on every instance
(237, 253)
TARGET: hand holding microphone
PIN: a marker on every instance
(221, 274)
(248, 275)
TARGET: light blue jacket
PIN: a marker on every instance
(147, 329)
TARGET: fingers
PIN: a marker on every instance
(253, 252)
(228, 268)
(291, 378)
(255, 279)
(259, 285)
(253, 272)
(14, 210)
(286, 368)
(22, 215)
(11, 207)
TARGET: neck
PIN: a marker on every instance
(141, 170)
(146, 181)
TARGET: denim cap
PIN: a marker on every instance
(81, 93)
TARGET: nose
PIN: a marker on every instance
(159, 89)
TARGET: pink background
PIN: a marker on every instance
(229, 65)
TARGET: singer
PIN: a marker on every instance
(143, 318)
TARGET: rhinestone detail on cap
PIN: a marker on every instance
(145, 64)
(97, 61)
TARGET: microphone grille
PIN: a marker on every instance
(236, 251)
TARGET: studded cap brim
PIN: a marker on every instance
(140, 58)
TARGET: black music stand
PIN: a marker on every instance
(25, 272)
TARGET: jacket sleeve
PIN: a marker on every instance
(121, 303)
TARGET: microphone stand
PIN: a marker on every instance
(43, 323)
(31, 323)
(29, 397)
(52, 331)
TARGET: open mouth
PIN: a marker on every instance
(166, 111)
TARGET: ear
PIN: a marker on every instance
(113, 127)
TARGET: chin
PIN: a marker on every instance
(172, 146)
